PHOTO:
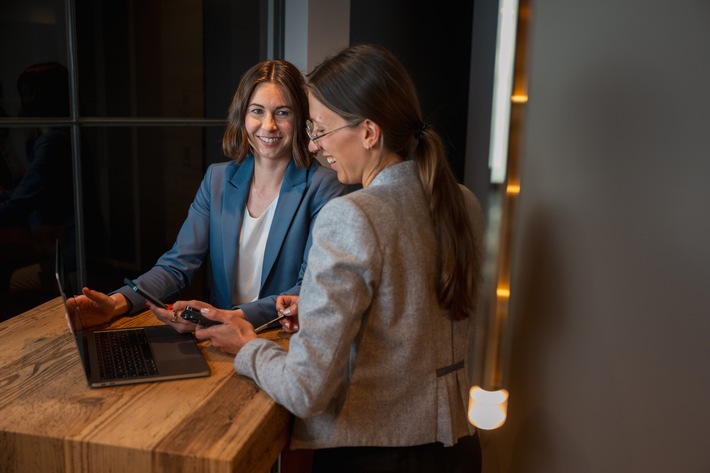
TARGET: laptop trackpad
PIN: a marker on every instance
(174, 352)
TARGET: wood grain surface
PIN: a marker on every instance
(51, 421)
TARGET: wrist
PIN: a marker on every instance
(121, 304)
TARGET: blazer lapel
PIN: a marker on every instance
(236, 192)
(292, 191)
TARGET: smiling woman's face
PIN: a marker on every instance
(269, 123)
(343, 148)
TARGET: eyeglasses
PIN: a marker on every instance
(311, 129)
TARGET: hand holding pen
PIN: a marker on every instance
(288, 307)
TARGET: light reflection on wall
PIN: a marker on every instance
(488, 397)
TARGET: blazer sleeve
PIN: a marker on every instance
(340, 281)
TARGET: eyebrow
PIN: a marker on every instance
(254, 104)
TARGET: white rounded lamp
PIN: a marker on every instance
(487, 410)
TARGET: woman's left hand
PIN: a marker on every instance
(231, 334)
(172, 316)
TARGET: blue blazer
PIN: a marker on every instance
(213, 226)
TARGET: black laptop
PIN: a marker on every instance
(131, 355)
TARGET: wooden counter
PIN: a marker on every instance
(51, 421)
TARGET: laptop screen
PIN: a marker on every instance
(73, 319)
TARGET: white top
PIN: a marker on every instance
(252, 243)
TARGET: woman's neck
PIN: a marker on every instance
(269, 173)
(385, 160)
(265, 184)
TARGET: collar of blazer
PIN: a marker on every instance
(296, 183)
(294, 177)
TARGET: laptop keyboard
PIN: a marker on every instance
(124, 354)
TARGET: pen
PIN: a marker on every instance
(263, 327)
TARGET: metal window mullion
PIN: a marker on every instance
(76, 140)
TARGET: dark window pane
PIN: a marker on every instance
(36, 211)
(139, 183)
(32, 32)
(169, 58)
(152, 60)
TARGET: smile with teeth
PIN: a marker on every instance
(267, 139)
(330, 159)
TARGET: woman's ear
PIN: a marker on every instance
(372, 134)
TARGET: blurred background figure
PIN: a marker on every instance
(11, 171)
(39, 208)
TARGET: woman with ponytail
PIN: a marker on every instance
(376, 373)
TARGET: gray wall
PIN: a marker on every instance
(611, 352)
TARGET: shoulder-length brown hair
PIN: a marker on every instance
(235, 143)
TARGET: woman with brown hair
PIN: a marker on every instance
(252, 216)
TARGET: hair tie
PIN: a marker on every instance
(420, 131)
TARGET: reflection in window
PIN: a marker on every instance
(154, 82)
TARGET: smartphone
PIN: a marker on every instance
(153, 300)
(196, 317)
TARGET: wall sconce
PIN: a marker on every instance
(488, 404)
(488, 409)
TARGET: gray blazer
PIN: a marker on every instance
(376, 362)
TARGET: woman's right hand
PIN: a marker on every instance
(96, 308)
(288, 305)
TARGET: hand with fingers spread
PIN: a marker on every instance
(96, 308)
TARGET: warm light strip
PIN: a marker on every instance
(512, 189)
(502, 89)
(488, 407)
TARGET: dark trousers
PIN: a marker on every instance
(464, 457)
